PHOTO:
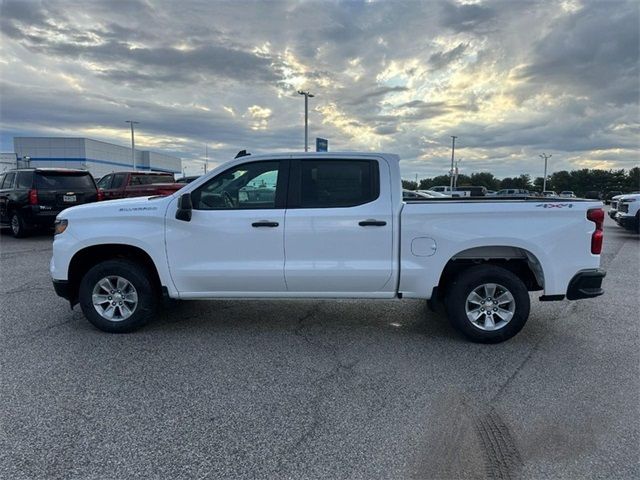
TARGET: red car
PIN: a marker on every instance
(137, 184)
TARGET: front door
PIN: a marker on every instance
(339, 228)
(234, 243)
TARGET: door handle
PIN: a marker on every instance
(264, 223)
(372, 223)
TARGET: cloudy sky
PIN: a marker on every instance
(511, 79)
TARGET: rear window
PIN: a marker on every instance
(151, 179)
(64, 181)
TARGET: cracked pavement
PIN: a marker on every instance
(317, 389)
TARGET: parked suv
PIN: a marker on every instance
(32, 197)
(628, 214)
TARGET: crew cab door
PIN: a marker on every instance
(339, 228)
(234, 243)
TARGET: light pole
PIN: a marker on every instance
(307, 96)
(455, 183)
(133, 143)
(544, 180)
(453, 149)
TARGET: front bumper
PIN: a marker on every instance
(586, 284)
(627, 221)
(62, 288)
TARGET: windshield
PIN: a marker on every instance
(64, 181)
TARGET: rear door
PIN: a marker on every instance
(339, 228)
(58, 190)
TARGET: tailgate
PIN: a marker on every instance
(60, 190)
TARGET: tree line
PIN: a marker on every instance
(578, 181)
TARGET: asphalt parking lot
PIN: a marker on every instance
(317, 389)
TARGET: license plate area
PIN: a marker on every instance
(69, 198)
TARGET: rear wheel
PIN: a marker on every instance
(118, 296)
(487, 304)
(18, 226)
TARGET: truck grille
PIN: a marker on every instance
(624, 208)
(614, 205)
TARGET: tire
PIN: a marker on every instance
(18, 226)
(124, 282)
(507, 317)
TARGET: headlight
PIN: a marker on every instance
(60, 226)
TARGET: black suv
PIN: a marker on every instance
(32, 197)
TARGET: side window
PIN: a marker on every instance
(1, 179)
(105, 182)
(118, 180)
(338, 183)
(25, 180)
(8, 180)
(247, 186)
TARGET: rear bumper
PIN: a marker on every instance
(586, 284)
(35, 215)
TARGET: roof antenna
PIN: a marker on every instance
(242, 153)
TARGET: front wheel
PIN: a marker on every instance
(487, 304)
(117, 296)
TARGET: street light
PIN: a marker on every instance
(133, 144)
(455, 183)
(307, 95)
(544, 180)
(453, 150)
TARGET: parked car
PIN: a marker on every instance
(413, 195)
(549, 193)
(446, 189)
(628, 214)
(613, 205)
(433, 194)
(593, 195)
(137, 184)
(188, 179)
(567, 194)
(610, 195)
(474, 191)
(31, 198)
(346, 232)
(513, 192)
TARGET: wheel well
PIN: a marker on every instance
(86, 258)
(517, 260)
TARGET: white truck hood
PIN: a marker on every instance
(141, 206)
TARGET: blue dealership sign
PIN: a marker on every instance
(322, 145)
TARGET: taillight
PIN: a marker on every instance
(33, 196)
(100, 195)
(596, 215)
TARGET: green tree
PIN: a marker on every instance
(560, 181)
(633, 179)
(485, 179)
(409, 185)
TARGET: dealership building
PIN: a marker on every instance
(98, 157)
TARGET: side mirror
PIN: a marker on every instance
(185, 206)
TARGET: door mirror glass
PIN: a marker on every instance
(185, 207)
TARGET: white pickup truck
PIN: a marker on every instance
(326, 225)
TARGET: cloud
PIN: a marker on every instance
(508, 78)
